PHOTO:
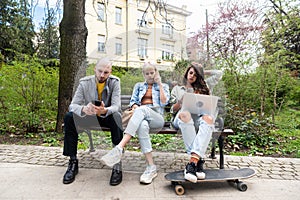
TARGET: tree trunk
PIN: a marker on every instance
(73, 34)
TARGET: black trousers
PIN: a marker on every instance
(72, 121)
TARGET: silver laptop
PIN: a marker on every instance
(200, 104)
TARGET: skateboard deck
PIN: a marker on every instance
(213, 175)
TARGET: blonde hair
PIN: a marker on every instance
(148, 65)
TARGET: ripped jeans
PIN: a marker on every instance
(196, 134)
(142, 121)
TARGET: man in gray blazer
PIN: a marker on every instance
(97, 100)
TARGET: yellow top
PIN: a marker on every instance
(100, 87)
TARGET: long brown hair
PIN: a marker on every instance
(199, 85)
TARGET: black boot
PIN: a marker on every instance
(71, 172)
(116, 174)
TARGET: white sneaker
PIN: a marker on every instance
(149, 174)
(199, 172)
(200, 175)
(190, 172)
(112, 157)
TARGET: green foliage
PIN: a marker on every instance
(257, 135)
(28, 96)
(287, 132)
(294, 95)
(180, 69)
(50, 139)
(251, 131)
(16, 28)
(48, 39)
(281, 37)
(160, 142)
(129, 79)
(266, 90)
(119, 71)
(167, 143)
(247, 122)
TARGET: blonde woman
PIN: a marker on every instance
(148, 100)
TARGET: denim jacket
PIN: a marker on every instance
(139, 91)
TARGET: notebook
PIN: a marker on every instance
(200, 104)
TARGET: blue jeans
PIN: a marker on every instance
(196, 134)
(144, 120)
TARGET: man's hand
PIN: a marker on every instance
(100, 110)
(89, 109)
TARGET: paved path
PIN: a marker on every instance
(35, 172)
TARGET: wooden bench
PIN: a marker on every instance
(219, 135)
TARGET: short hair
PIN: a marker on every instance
(148, 65)
(106, 62)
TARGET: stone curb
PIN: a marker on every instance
(266, 167)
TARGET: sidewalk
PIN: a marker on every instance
(34, 172)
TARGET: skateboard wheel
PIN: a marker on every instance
(179, 189)
(242, 186)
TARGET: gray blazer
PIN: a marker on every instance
(87, 92)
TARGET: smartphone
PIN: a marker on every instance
(97, 103)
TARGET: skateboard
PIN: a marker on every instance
(213, 175)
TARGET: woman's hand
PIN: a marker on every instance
(157, 78)
(177, 105)
(134, 106)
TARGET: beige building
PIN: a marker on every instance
(131, 32)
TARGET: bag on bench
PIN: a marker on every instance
(126, 115)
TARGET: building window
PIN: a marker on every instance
(118, 46)
(141, 18)
(101, 43)
(167, 29)
(100, 11)
(167, 52)
(142, 47)
(118, 15)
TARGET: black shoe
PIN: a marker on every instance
(200, 164)
(71, 172)
(116, 174)
(200, 173)
(190, 172)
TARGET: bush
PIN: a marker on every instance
(28, 96)
(251, 131)
(129, 79)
